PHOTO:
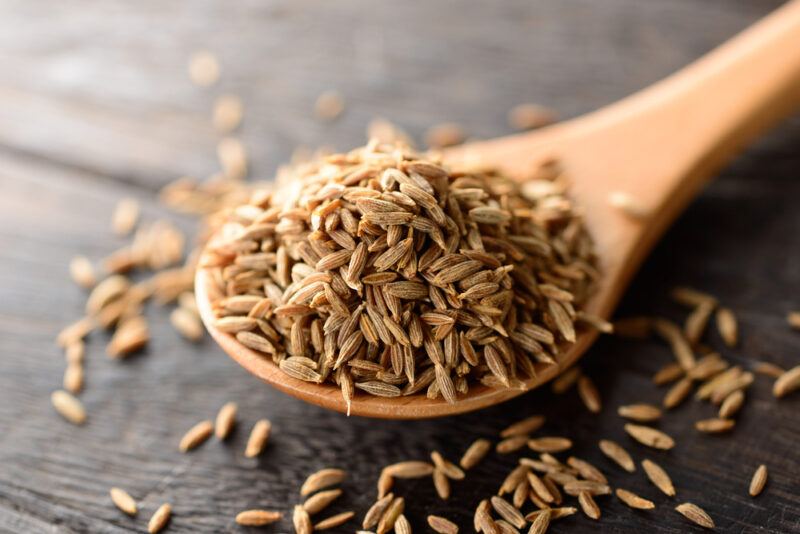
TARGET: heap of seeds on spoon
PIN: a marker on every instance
(384, 271)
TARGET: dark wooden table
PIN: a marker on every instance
(95, 104)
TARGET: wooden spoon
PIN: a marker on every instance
(658, 146)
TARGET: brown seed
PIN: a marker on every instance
(706, 390)
(196, 435)
(512, 444)
(697, 321)
(505, 510)
(226, 418)
(575, 487)
(391, 514)
(678, 393)
(75, 352)
(727, 326)
(658, 477)
(523, 427)
(673, 335)
(402, 526)
(731, 405)
(793, 318)
(695, 514)
(448, 468)
(550, 444)
(642, 413)
(329, 105)
(715, 425)
(692, 298)
(73, 377)
(257, 518)
(540, 522)
(540, 488)
(442, 484)
(69, 407)
(125, 217)
(82, 271)
(376, 511)
(633, 500)
(228, 111)
(768, 369)
(650, 436)
(442, 525)
(301, 521)
(586, 470)
(589, 394)
(475, 453)
(322, 479)
(319, 501)
(204, 68)
(566, 380)
(409, 469)
(159, 519)
(187, 324)
(334, 521)
(123, 501)
(758, 481)
(787, 382)
(708, 366)
(258, 438)
(668, 373)
(530, 116)
(619, 455)
(588, 505)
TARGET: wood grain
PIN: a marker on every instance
(96, 105)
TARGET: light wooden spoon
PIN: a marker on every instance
(658, 146)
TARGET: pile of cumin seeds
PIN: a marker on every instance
(387, 272)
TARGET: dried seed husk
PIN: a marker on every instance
(788, 382)
(540, 488)
(650, 436)
(442, 525)
(758, 481)
(588, 505)
(708, 366)
(695, 514)
(334, 521)
(123, 501)
(727, 326)
(301, 521)
(228, 112)
(643, 413)
(482, 519)
(258, 438)
(715, 425)
(159, 519)
(550, 444)
(530, 116)
(376, 511)
(633, 500)
(505, 510)
(707, 388)
(618, 454)
(523, 427)
(196, 436)
(187, 324)
(257, 517)
(723, 390)
(540, 522)
(658, 477)
(444, 135)
(555, 513)
(475, 453)
(204, 68)
(69, 407)
(322, 479)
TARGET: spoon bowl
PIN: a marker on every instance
(657, 147)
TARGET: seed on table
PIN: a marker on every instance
(633, 500)
(695, 514)
(226, 418)
(732, 404)
(402, 526)
(204, 68)
(668, 373)
(658, 477)
(692, 298)
(125, 217)
(723, 390)
(793, 318)
(123, 501)
(82, 272)
(512, 444)
(523, 427)
(391, 514)
(505, 510)
(540, 488)
(563, 382)
(75, 352)
(73, 377)
(258, 518)
(588, 505)
(589, 394)
(678, 393)
(586, 470)
(334, 521)
(301, 521)
(376, 511)
(727, 326)
(258, 438)
(643, 413)
(446, 467)
(708, 366)
(681, 350)
(540, 522)
(187, 324)
(550, 444)
(159, 519)
(576, 487)
(758, 481)
(322, 479)
(69, 407)
(529, 116)
(196, 435)
(768, 369)
(514, 477)
(627, 204)
(618, 454)
(475, 453)
(409, 469)
(75, 332)
(697, 321)
(319, 501)
(650, 436)
(442, 525)
(715, 425)
(787, 382)
(442, 484)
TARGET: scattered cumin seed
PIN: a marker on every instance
(768, 369)
(588, 505)
(695, 514)
(678, 393)
(715, 425)
(391, 514)
(125, 217)
(523, 427)
(475, 453)
(633, 500)
(589, 394)
(376, 511)
(669, 373)
(159, 519)
(69, 407)
(576, 487)
(650, 436)
(586, 470)
(301, 521)
(322, 479)
(228, 112)
(409, 469)
(226, 418)
(445, 466)
(82, 272)
(697, 321)
(788, 382)
(550, 444)
(186, 323)
(258, 517)
(643, 413)
(511, 444)
(727, 326)
(530, 116)
(658, 477)
(204, 68)
(692, 298)
(731, 405)
(334, 521)
(196, 436)
(73, 377)
(329, 105)
(442, 525)
(673, 335)
(402, 526)
(793, 318)
(540, 522)
(123, 501)
(505, 510)
(627, 204)
(758, 481)
(566, 380)
(232, 157)
(319, 501)
(618, 454)
(258, 438)
(441, 484)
